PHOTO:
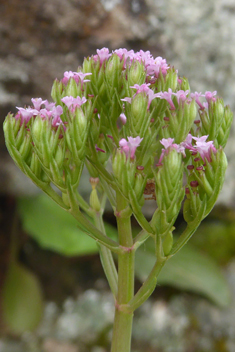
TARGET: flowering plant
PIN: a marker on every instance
(131, 119)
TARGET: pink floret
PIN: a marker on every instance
(169, 144)
(129, 147)
(204, 148)
(72, 102)
(167, 96)
(102, 55)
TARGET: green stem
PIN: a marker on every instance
(121, 341)
(150, 283)
(148, 286)
(107, 258)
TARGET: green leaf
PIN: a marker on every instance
(53, 228)
(188, 270)
(22, 299)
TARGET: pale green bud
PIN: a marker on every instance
(26, 147)
(59, 156)
(37, 129)
(94, 200)
(173, 163)
(136, 74)
(81, 120)
(184, 85)
(113, 72)
(56, 91)
(87, 65)
(35, 166)
(118, 164)
(171, 80)
(168, 243)
(139, 185)
(72, 89)
(139, 105)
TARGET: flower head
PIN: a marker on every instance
(143, 88)
(77, 76)
(72, 102)
(196, 96)
(169, 144)
(181, 96)
(167, 96)
(204, 148)
(102, 55)
(129, 147)
(210, 96)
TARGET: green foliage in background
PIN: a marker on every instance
(188, 270)
(22, 301)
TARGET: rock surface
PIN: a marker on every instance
(41, 39)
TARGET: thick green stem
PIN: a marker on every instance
(121, 341)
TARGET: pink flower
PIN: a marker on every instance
(37, 102)
(124, 55)
(187, 144)
(167, 96)
(168, 145)
(48, 105)
(128, 100)
(143, 88)
(25, 114)
(196, 96)
(123, 118)
(210, 96)
(181, 96)
(129, 147)
(102, 55)
(154, 66)
(72, 102)
(204, 148)
(77, 76)
(51, 111)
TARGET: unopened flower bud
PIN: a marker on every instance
(139, 105)
(118, 164)
(168, 243)
(113, 71)
(56, 91)
(139, 186)
(171, 80)
(94, 200)
(72, 89)
(136, 74)
(37, 128)
(81, 120)
(174, 161)
(35, 165)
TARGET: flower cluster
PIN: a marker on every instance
(133, 110)
(50, 111)
(152, 65)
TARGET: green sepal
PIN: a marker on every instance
(57, 91)
(136, 73)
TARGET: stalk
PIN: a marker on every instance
(122, 329)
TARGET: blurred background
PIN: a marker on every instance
(39, 40)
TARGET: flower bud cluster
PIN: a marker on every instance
(132, 119)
